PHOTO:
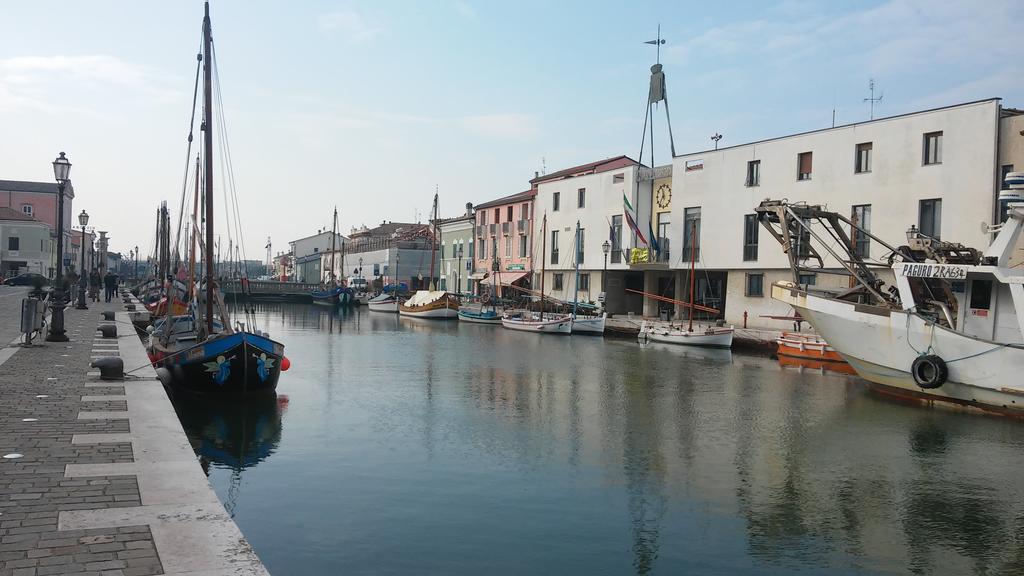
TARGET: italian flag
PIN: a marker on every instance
(631, 218)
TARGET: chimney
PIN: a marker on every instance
(536, 174)
(469, 208)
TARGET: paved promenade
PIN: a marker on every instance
(98, 477)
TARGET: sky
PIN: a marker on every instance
(371, 106)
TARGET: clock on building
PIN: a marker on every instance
(664, 196)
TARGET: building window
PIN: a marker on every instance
(618, 178)
(483, 250)
(808, 279)
(579, 245)
(522, 245)
(755, 285)
(750, 230)
(26, 209)
(524, 212)
(508, 246)
(442, 251)
(13, 243)
(691, 234)
(471, 249)
(497, 215)
(510, 213)
(557, 281)
(861, 242)
(754, 173)
(803, 165)
(863, 160)
(581, 198)
(933, 148)
(554, 246)
(664, 220)
(584, 281)
(930, 218)
(616, 238)
(483, 217)
(555, 197)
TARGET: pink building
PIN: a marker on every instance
(39, 200)
(504, 231)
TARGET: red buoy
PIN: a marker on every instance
(285, 364)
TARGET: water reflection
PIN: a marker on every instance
(418, 446)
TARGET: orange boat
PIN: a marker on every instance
(810, 351)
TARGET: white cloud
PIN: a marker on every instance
(503, 126)
(349, 23)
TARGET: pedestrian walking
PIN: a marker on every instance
(109, 285)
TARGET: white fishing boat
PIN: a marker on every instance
(383, 302)
(951, 330)
(708, 336)
(546, 323)
(431, 304)
(586, 324)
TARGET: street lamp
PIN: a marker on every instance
(135, 273)
(83, 221)
(458, 273)
(61, 171)
(606, 247)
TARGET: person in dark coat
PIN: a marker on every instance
(109, 285)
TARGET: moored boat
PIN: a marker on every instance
(383, 302)
(951, 331)
(587, 324)
(431, 304)
(546, 323)
(807, 347)
(709, 336)
(479, 315)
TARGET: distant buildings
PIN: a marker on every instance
(39, 200)
(25, 244)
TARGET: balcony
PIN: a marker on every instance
(506, 227)
(492, 228)
(521, 226)
(647, 259)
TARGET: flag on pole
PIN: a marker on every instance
(654, 239)
(631, 218)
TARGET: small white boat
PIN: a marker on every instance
(544, 323)
(431, 304)
(584, 324)
(383, 303)
(708, 336)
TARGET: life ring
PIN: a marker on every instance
(929, 371)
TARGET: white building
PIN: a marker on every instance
(593, 195)
(936, 169)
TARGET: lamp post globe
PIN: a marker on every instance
(83, 220)
(56, 333)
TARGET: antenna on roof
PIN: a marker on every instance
(543, 166)
(657, 42)
(872, 99)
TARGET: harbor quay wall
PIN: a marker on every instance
(99, 475)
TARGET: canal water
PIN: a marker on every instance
(402, 446)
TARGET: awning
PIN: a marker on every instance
(478, 276)
(510, 278)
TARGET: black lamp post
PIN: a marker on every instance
(61, 171)
(135, 273)
(606, 248)
(83, 221)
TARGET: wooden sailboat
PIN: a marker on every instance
(528, 321)
(431, 303)
(330, 291)
(712, 336)
(584, 323)
(221, 359)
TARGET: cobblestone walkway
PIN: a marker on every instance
(53, 414)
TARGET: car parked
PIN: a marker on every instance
(27, 279)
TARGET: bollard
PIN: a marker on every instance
(108, 315)
(744, 319)
(111, 368)
(108, 330)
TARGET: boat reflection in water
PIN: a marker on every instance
(232, 435)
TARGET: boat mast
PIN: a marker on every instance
(433, 244)
(334, 236)
(543, 251)
(195, 232)
(576, 291)
(693, 260)
(208, 151)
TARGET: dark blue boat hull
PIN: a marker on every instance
(236, 364)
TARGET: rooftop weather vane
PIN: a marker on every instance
(872, 99)
(657, 42)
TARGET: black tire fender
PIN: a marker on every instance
(929, 371)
